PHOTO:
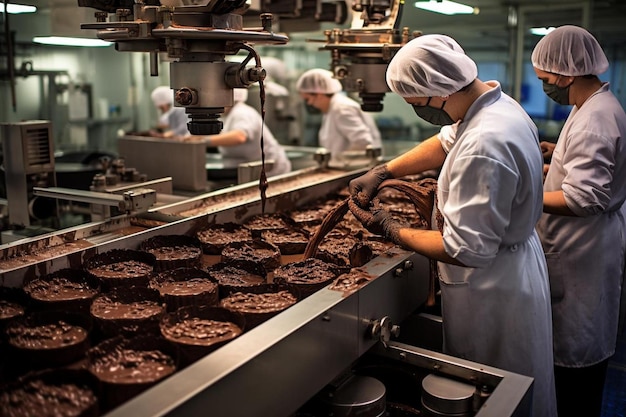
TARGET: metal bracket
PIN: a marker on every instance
(383, 329)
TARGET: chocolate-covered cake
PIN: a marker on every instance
(261, 222)
(185, 287)
(126, 367)
(121, 267)
(237, 276)
(66, 289)
(342, 249)
(257, 251)
(197, 331)
(308, 276)
(128, 311)
(48, 338)
(173, 251)
(13, 303)
(10, 310)
(50, 393)
(215, 237)
(290, 241)
(265, 302)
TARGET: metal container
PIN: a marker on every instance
(445, 397)
(361, 396)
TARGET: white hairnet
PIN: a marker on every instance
(570, 51)
(318, 81)
(430, 66)
(240, 94)
(162, 95)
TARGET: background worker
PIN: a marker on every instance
(583, 230)
(172, 120)
(345, 127)
(240, 139)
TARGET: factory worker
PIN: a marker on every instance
(583, 231)
(345, 127)
(172, 120)
(495, 294)
(240, 140)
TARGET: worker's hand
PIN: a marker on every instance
(547, 148)
(378, 220)
(364, 188)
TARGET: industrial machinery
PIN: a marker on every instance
(278, 367)
(28, 162)
(197, 36)
(360, 55)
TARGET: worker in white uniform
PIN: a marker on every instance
(583, 230)
(345, 127)
(493, 275)
(172, 120)
(240, 140)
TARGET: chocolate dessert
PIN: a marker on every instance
(121, 267)
(237, 276)
(257, 251)
(215, 237)
(308, 276)
(290, 241)
(339, 249)
(185, 287)
(308, 216)
(10, 310)
(173, 251)
(66, 289)
(48, 338)
(13, 303)
(128, 311)
(262, 222)
(197, 331)
(126, 367)
(264, 303)
(51, 393)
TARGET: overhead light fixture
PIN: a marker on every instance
(446, 7)
(541, 31)
(18, 8)
(66, 41)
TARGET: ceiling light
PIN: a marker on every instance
(64, 41)
(541, 31)
(18, 8)
(446, 7)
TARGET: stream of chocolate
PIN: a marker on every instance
(263, 177)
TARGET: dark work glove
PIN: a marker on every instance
(364, 188)
(378, 221)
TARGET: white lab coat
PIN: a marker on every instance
(496, 311)
(177, 121)
(345, 127)
(246, 118)
(586, 254)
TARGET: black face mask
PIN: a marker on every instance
(312, 110)
(436, 116)
(556, 93)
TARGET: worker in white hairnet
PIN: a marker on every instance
(172, 120)
(345, 127)
(495, 296)
(583, 230)
(240, 140)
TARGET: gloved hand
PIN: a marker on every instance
(378, 220)
(364, 188)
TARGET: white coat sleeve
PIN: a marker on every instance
(478, 208)
(588, 163)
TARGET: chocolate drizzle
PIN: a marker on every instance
(263, 176)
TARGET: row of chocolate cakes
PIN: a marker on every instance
(130, 318)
